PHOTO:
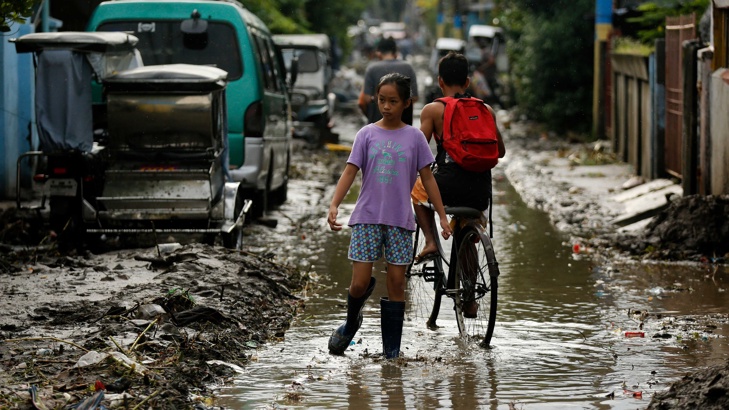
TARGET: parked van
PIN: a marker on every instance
(226, 35)
(484, 39)
(312, 102)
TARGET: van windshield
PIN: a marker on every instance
(162, 42)
(308, 62)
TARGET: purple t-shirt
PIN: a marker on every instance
(390, 161)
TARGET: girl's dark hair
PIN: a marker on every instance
(401, 83)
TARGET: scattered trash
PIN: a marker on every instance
(631, 333)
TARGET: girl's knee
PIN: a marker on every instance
(357, 289)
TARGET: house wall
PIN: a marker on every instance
(719, 134)
(16, 110)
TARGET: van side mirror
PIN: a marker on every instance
(293, 71)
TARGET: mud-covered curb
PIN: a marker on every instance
(575, 184)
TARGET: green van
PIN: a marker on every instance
(223, 34)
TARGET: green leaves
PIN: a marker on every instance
(15, 11)
(550, 46)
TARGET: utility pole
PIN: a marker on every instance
(603, 27)
(46, 16)
(457, 19)
(440, 20)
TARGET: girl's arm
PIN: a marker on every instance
(431, 187)
(345, 182)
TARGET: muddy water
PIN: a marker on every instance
(559, 342)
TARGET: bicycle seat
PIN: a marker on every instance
(458, 211)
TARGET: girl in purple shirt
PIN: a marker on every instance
(390, 154)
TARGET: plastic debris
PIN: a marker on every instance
(634, 334)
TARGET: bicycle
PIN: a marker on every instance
(472, 275)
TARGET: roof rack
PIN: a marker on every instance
(223, 1)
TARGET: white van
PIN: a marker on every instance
(487, 39)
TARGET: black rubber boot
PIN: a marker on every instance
(392, 317)
(343, 335)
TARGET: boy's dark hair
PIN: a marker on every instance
(401, 83)
(453, 69)
(387, 45)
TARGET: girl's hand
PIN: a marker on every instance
(447, 231)
(332, 219)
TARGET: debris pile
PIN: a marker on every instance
(136, 327)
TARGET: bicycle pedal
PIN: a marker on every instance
(429, 273)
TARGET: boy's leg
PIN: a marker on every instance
(425, 219)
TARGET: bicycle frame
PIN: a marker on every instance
(474, 288)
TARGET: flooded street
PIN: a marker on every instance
(560, 339)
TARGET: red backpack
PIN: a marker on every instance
(469, 133)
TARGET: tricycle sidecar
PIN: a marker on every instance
(69, 162)
(167, 155)
(162, 165)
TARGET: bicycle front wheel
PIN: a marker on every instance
(475, 286)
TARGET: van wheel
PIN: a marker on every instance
(257, 207)
(280, 194)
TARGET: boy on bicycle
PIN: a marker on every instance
(458, 187)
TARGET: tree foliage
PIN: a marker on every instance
(550, 46)
(331, 17)
(15, 11)
(653, 17)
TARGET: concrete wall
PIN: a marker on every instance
(16, 110)
(719, 134)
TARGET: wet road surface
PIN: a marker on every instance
(560, 339)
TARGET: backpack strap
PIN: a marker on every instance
(440, 152)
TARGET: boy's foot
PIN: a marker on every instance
(422, 258)
(427, 254)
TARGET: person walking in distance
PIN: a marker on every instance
(390, 155)
(388, 63)
(457, 186)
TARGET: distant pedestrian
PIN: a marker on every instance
(388, 63)
(390, 154)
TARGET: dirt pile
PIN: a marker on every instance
(693, 228)
(707, 389)
(136, 325)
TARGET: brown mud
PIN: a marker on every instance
(139, 325)
(694, 228)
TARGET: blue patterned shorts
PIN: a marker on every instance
(368, 241)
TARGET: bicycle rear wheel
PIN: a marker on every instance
(475, 282)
